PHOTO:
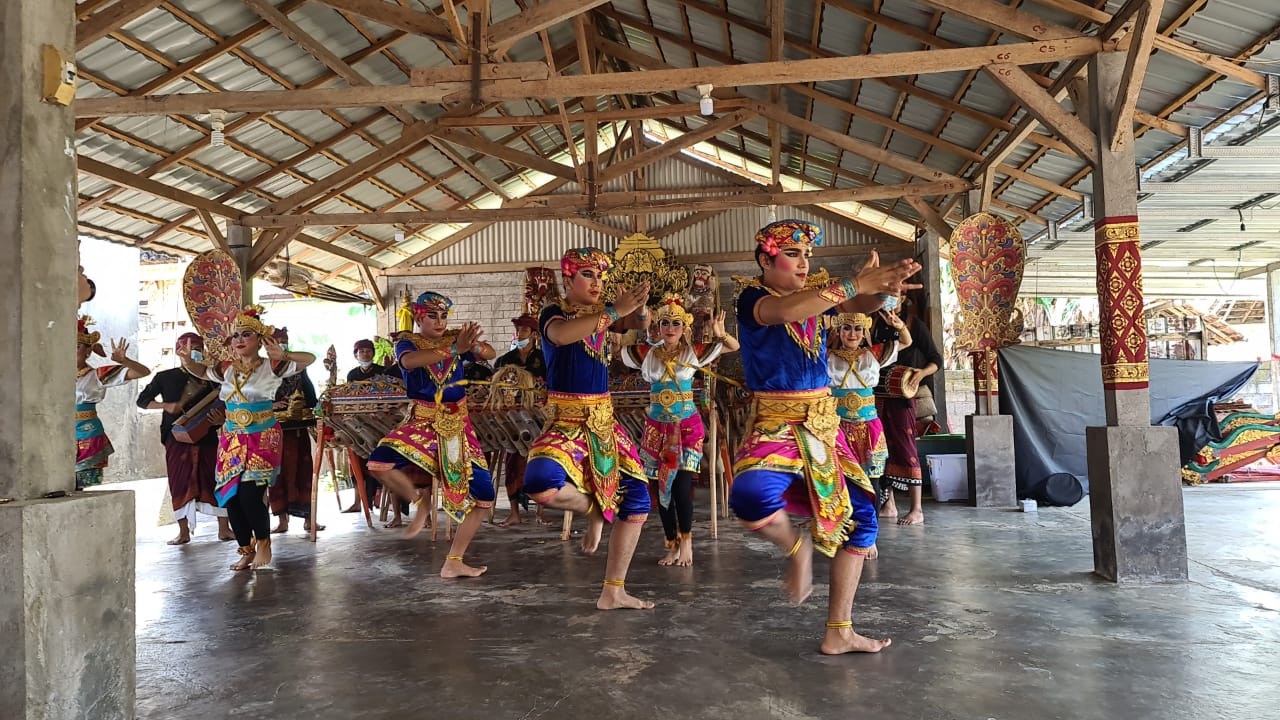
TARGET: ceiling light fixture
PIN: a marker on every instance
(706, 105)
(217, 135)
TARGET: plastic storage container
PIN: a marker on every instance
(950, 477)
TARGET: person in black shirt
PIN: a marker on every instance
(898, 415)
(191, 467)
(368, 369)
(291, 495)
(528, 355)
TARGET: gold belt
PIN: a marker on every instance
(596, 410)
(855, 402)
(448, 419)
(669, 398)
(815, 409)
(86, 415)
(241, 418)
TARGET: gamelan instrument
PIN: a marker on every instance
(899, 381)
(193, 425)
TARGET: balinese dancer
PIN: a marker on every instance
(583, 461)
(439, 438)
(526, 353)
(902, 472)
(795, 456)
(294, 406)
(854, 371)
(92, 445)
(190, 466)
(250, 443)
(671, 449)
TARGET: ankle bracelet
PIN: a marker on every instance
(615, 583)
(840, 624)
(453, 557)
(796, 548)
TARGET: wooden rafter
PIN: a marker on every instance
(391, 15)
(1135, 71)
(105, 22)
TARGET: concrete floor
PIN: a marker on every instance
(993, 615)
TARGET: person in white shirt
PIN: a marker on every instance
(93, 447)
(853, 365)
(671, 450)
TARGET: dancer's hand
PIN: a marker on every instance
(888, 279)
(717, 326)
(631, 299)
(275, 350)
(469, 337)
(119, 350)
(892, 319)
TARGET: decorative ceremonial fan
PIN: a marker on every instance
(211, 288)
(986, 264)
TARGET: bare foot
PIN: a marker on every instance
(915, 517)
(686, 552)
(418, 522)
(673, 554)
(888, 510)
(396, 522)
(307, 526)
(243, 563)
(617, 598)
(512, 519)
(873, 553)
(224, 537)
(844, 640)
(182, 539)
(355, 507)
(263, 555)
(591, 538)
(797, 584)
(281, 527)
(457, 569)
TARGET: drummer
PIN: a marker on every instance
(525, 353)
(902, 472)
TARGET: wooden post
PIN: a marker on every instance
(315, 478)
(358, 471)
(712, 457)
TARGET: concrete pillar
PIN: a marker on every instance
(989, 445)
(928, 254)
(240, 241)
(66, 559)
(1135, 488)
(1273, 332)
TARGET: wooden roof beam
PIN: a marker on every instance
(1135, 71)
(619, 203)
(667, 149)
(503, 35)
(395, 16)
(105, 22)
(625, 83)
(1046, 109)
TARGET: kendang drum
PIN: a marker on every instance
(899, 382)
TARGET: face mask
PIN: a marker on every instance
(890, 302)
(365, 363)
(520, 343)
(197, 356)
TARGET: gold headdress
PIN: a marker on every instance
(84, 337)
(250, 318)
(672, 307)
(856, 319)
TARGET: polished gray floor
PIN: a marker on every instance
(993, 615)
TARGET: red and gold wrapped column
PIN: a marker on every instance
(986, 378)
(1122, 322)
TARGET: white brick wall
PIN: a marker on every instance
(490, 299)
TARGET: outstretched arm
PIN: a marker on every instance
(277, 353)
(858, 294)
(119, 354)
(566, 331)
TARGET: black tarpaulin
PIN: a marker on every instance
(1053, 395)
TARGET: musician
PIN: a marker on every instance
(795, 456)
(250, 443)
(190, 466)
(93, 447)
(853, 369)
(671, 449)
(899, 418)
(439, 439)
(525, 353)
(295, 410)
(367, 369)
(583, 461)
